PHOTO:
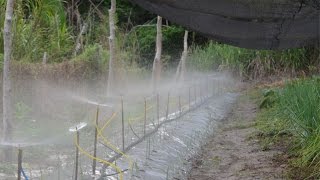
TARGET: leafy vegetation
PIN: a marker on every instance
(44, 26)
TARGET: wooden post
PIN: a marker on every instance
(145, 116)
(195, 94)
(158, 109)
(189, 98)
(94, 163)
(122, 120)
(203, 92)
(213, 91)
(44, 58)
(207, 82)
(200, 92)
(112, 49)
(7, 108)
(19, 163)
(148, 148)
(180, 109)
(77, 157)
(168, 101)
(156, 69)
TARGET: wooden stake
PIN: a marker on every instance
(77, 157)
(195, 94)
(112, 49)
(200, 92)
(19, 163)
(168, 102)
(145, 116)
(94, 163)
(213, 91)
(122, 120)
(180, 106)
(158, 109)
(156, 69)
(207, 82)
(189, 98)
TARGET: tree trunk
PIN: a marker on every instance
(7, 101)
(182, 64)
(156, 70)
(112, 46)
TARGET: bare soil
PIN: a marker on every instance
(234, 151)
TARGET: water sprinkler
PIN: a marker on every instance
(77, 129)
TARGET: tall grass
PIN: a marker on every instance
(297, 109)
(40, 26)
(299, 103)
(248, 63)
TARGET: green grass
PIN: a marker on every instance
(251, 64)
(295, 113)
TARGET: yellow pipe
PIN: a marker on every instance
(99, 160)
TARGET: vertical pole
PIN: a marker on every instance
(189, 98)
(144, 126)
(59, 167)
(207, 85)
(145, 116)
(94, 163)
(168, 101)
(203, 92)
(77, 156)
(149, 147)
(195, 95)
(200, 92)
(213, 91)
(122, 121)
(158, 109)
(19, 163)
(180, 106)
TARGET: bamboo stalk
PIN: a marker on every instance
(180, 106)
(158, 109)
(19, 163)
(122, 120)
(77, 157)
(189, 97)
(168, 102)
(145, 116)
(94, 163)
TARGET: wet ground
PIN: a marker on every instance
(164, 154)
(169, 151)
(233, 152)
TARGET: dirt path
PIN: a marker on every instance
(231, 154)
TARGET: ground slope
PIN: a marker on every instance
(231, 154)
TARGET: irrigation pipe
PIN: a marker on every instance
(135, 119)
(114, 114)
(99, 160)
(24, 174)
(111, 146)
(106, 142)
(171, 117)
(134, 133)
